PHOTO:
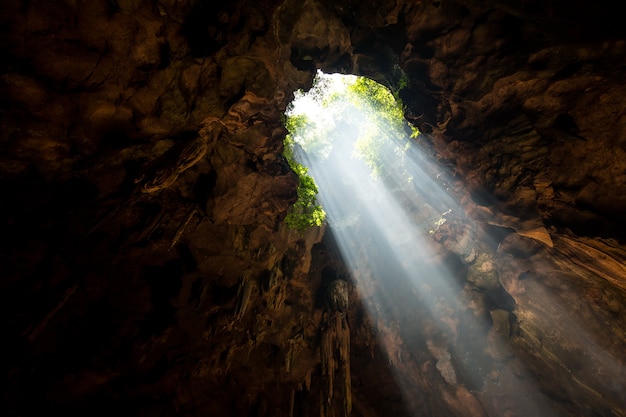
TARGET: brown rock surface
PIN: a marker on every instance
(145, 266)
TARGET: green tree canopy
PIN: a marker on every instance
(336, 107)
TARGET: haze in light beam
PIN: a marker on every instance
(385, 226)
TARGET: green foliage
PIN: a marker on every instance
(382, 130)
(305, 212)
(377, 100)
(402, 83)
(370, 109)
(315, 138)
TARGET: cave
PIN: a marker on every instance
(146, 266)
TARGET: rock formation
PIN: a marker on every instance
(145, 266)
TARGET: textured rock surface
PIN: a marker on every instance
(145, 268)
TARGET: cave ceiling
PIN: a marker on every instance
(145, 265)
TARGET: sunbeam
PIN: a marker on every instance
(392, 213)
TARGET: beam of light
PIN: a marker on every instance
(384, 227)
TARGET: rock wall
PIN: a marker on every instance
(146, 269)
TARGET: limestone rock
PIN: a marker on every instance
(194, 297)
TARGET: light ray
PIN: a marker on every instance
(385, 223)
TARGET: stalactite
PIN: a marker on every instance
(328, 362)
(289, 356)
(274, 290)
(335, 347)
(292, 401)
(278, 299)
(343, 340)
(307, 381)
(154, 224)
(181, 229)
(243, 297)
